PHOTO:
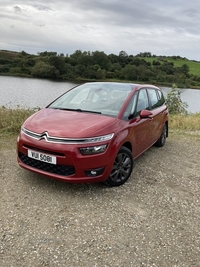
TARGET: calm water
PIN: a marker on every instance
(31, 93)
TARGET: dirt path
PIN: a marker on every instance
(152, 220)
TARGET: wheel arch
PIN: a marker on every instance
(127, 145)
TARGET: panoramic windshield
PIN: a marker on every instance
(102, 98)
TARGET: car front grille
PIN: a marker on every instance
(51, 168)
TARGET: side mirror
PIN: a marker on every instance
(145, 114)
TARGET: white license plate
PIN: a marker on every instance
(41, 157)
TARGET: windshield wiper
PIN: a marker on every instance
(79, 110)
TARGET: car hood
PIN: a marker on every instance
(69, 124)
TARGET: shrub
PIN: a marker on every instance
(174, 102)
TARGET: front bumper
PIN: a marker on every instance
(71, 165)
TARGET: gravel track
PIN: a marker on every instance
(152, 220)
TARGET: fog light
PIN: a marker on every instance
(94, 172)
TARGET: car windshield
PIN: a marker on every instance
(102, 98)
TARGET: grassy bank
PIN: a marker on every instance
(12, 119)
(181, 122)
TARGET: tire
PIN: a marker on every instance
(162, 139)
(122, 168)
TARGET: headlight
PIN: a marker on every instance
(92, 150)
(101, 138)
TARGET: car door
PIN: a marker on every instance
(140, 129)
(158, 111)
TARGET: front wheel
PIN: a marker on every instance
(122, 168)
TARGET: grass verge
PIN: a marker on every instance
(190, 122)
(12, 119)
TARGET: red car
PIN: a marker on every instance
(93, 132)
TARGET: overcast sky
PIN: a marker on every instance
(162, 27)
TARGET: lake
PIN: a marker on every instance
(32, 93)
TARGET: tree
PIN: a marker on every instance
(144, 54)
(101, 59)
(185, 69)
(123, 58)
(58, 63)
(43, 70)
(144, 74)
(76, 55)
(168, 67)
(113, 58)
(47, 54)
(79, 70)
(156, 63)
(123, 54)
(85, 59)
(130, 72)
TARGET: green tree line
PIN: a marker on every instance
(99, 66)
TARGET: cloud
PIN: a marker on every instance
(162, 27)
(17, 9)
(42, 7)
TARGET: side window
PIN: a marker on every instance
(156, 98)
(153, 96)
(161, 98)
(142, 102)
(130, 109)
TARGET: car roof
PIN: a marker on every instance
(113, 83)
(135, 86)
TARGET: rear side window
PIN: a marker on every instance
(161, 98)
(156, 98)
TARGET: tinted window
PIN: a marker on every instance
(161, 98)
(153, 96)
(156, 98)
